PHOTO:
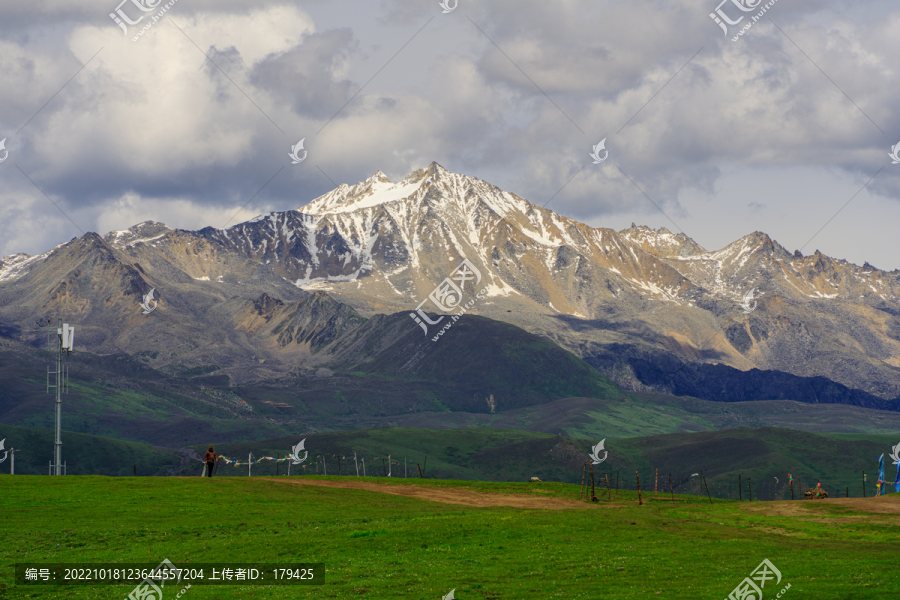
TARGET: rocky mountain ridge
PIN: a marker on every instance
(613, 298)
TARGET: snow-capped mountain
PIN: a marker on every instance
(621, 300)
(395, 242)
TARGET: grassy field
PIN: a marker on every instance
(763, 456)
(376, 545)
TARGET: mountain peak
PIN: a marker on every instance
(142, 232)
(377, 189)
(435, 168)
(661, 242)
(380, 177)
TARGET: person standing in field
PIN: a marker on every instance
(211, 459)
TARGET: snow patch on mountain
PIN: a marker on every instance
(147, 231)
(15, 266)
(374, 191)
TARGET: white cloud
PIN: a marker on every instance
(152, 130)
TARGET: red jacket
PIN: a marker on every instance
(211, 456)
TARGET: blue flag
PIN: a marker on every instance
(897, 482)
(880, 483)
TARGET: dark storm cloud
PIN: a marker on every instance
(303, 77)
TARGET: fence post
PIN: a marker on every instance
(638, 478)
(583, 471)
(656, 484)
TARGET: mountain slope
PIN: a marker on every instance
(623, 301)
(381, 247)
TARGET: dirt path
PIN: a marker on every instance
(889, 504)
(448, 496)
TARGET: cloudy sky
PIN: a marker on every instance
(786, 130)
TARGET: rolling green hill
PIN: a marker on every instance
(494, 454)
(84, 454)
(488, 366)
(515, 455)
(386, 374)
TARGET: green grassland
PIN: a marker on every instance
(375, 545)
(764, 456)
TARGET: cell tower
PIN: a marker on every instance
(65, 336)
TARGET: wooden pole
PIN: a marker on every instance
(638, 478)
(656, 484)
(749, 490)
(792, 490)
(583, 472)
(707, 490)
(593, 496)
(671, 488)
(418, 471)
(740, 492)
(424, 464)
